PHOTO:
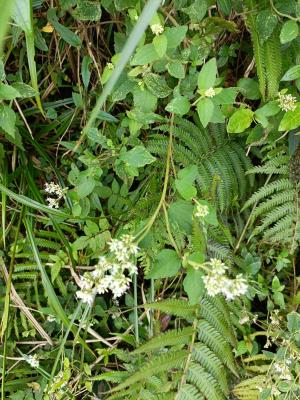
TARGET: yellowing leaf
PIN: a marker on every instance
(48, 28)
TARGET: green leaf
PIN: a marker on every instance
(144, 100)
(197, 10)
(279, 299)
(240, 120)
(208, 74)
(249, 88)
(181, 212)
(85, 72)
(179, 105)
(157, 85)
(266, 22)
(137, 157)
(25, 91)
(160, 44)
(289, 31)
(87, 10)
(225, 6)
(293, 322)
(211, 217)
(226, 96)
(85, 187)
(66, 34)
(176, 69)
(205, 109)
(186, 190)
(292, 73)
(290, 120)
(175, 35)
(193, 285)
(8, 92)
(7, 120)
(167, 264)
(145, 55)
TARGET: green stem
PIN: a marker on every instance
(136, 317)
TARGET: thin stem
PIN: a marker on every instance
(136, 318)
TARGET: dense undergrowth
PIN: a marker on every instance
(149, 179)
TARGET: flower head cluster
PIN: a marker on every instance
(217, 282)
(56, 191)
(112, 272)
(282, 369)
(202, 210)
(32, 360)
(157, 29)
(287, 102)
(210, 92)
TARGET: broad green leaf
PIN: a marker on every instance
(225, 6)
(25, 91)
(226, 96)
(289, 31)
(179, 105)
(6, 8)
(8, 92)
(293, 322)
(205, 109)
(240, 120)
(7, 120)
(269, 109)
(66, 34)
(85, 187)
(249, 88)
(292, 73)
(160, 44)
(176, 69)
(137, 157)
(144, 100)
(175, 35)
(266, 22)
(189, 173)
(290, 120)
(184, 183)
(87, 10)
(181, 213)
(145, 55)
(167, 264)
(197, 10)
(157, 85)
(208, 75)
(85, 72)
(193, 285)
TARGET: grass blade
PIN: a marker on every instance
(6, 8)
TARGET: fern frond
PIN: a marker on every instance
(204, 382)
(273, 63)
(189, 392)
(177, 307)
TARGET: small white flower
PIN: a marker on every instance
(54, 188)
(202, 210)
(32, 360)
(51, 318)
(210, 92)
(87, 296)
(282, 370)
(157, 29)
(244, 320)
(52, 202)
(287, 102)
(110, 65)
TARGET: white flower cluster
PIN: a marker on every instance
(157, 29)
(282, 369)
(56, 191)
(202, 210)
(32, 360)
(111, 273)
(210, 92)
(287, 102)
(217, 282)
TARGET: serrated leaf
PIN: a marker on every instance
(7, 120)
(7, 92)
(176, 69)
(197, 10)
(289, 31)
(25, 91)
(160, 44)
(175, 35)
(208, 74)
(226, 96)
(179, 105)
(205, 109)
(240, 120)
(85, 72)
(66, 34)
(290, 120)
(292, 73)
(157, 85)
(87, 10)
(137, 157)
(249, 88)
(167, 264)
(193, 285)
(266, 22)
(145, 55)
